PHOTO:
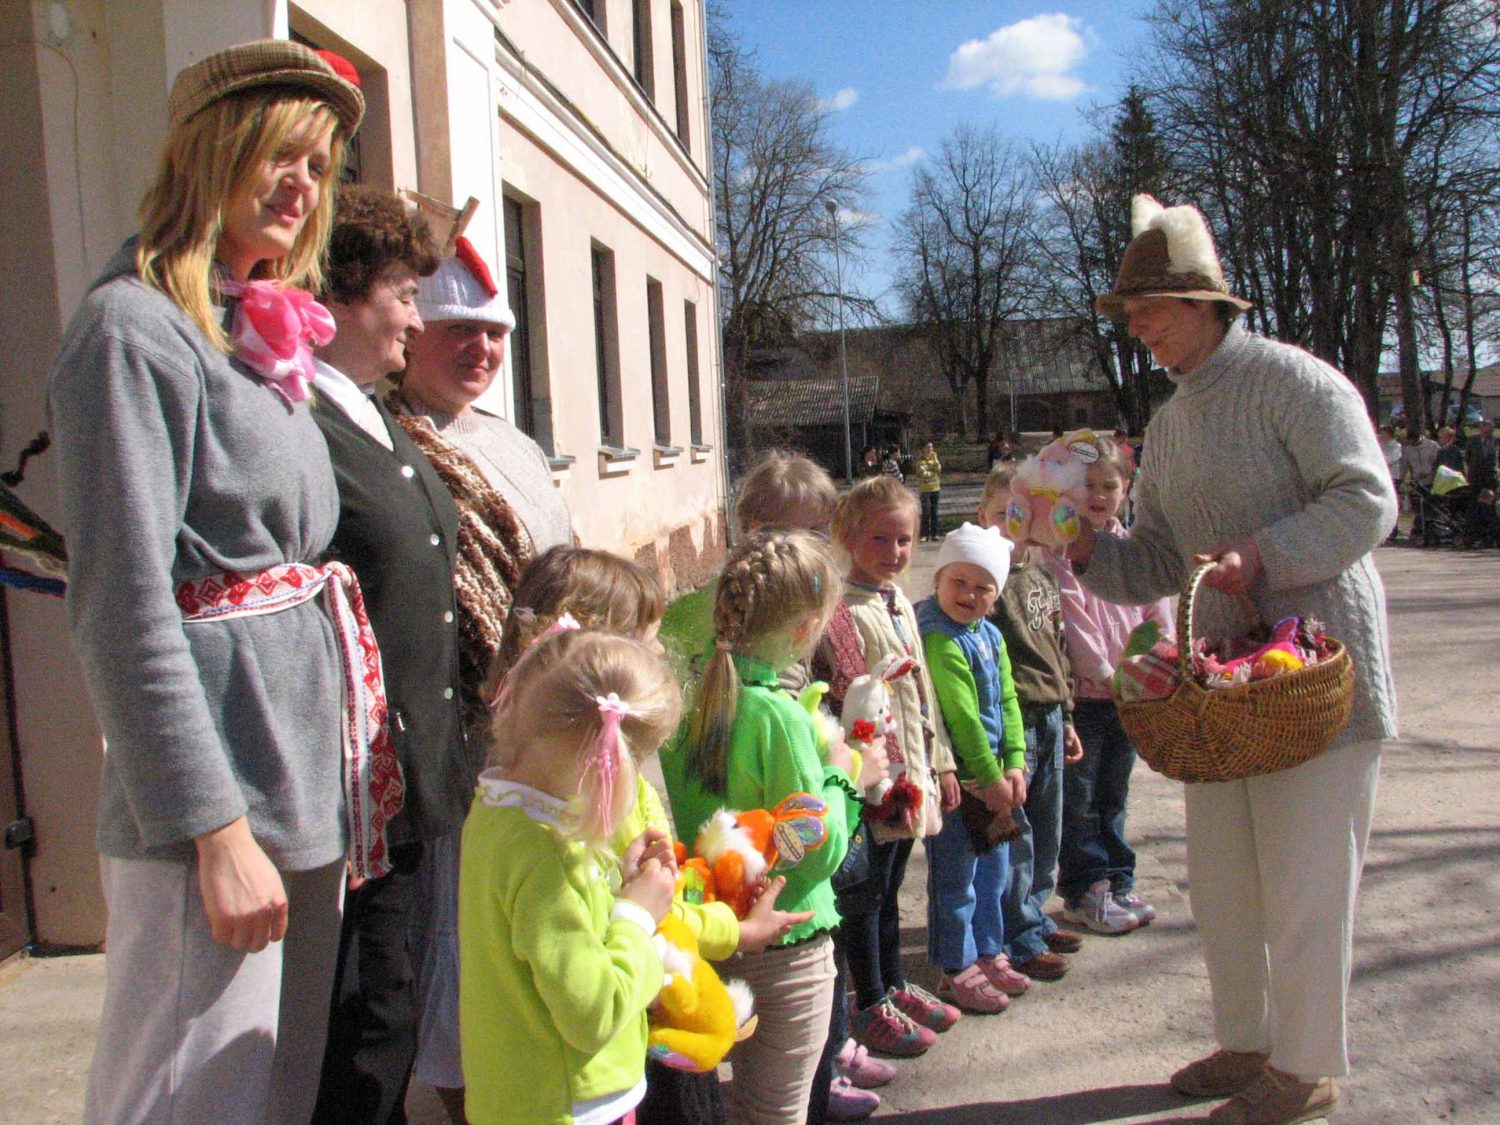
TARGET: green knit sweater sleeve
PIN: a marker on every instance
(1010, 712)
(958, 697)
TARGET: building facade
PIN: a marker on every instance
(580, 126)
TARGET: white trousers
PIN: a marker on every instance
(194, 1032)
(1273, 869)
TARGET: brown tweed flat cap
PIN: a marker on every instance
(264, 62)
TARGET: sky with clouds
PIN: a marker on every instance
(898, 75)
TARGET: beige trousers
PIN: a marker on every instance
(1273, 867)
(774, 1068)
(193, 1032)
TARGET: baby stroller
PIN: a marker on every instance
(1443, 518)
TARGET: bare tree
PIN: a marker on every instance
(774, 172)
(969, 257)
(1085, 227)
(1305, 128)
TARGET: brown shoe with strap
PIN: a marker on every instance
(1044, 966)
(1220, 1074)
(1278, 1098)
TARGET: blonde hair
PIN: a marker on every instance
(211, 160)
(864, 500)
(780, 484)
(1114, 455)
(772, 582)
(556, 691)
(601, 590)
(997, 482)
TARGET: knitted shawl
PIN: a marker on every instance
(493, 548)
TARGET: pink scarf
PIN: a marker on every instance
(273, 330)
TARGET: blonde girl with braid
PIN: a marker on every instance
(748, 745)
(555, 933)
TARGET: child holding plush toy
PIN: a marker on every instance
(749, 745)
(970, 669)
(1096, 867)
(558, 966)
(876, 524)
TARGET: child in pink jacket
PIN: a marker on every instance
(1096, 867)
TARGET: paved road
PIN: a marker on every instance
(1097, 1046)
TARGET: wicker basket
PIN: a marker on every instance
(1224, 734)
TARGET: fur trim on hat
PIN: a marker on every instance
(1190, 248)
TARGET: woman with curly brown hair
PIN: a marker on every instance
(398, 530)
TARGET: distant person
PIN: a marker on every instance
(1000, 451)
(1450, 454)
(1480, 457)
(890, 464)
(869, 462)
(1418, 464)
(930, 487)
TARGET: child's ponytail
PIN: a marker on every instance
(771, 583)
(590, 702)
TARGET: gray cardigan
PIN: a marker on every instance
(1264, 441)
(176, 463)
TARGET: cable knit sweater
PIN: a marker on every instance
(1264, 441)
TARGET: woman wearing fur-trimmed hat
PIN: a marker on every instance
(196, 488)
(1264, 462)
(509, 512)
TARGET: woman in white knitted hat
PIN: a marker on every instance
(509, 512)
(198, 501)
(1264, 462)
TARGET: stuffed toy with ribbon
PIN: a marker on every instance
(895, 805)
(735, 852)
(1048, 493)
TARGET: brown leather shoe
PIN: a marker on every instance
(1044, 966)
(1064, 941)
(1221, 1074)
(1278, 1098)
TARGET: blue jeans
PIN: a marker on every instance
(1094, 794)
(964, 891)
(1033, 857)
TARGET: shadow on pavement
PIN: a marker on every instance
(1082, 1107)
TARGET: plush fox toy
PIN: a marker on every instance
(697, 1017)
(736, 851)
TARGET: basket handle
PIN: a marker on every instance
(1185, 620)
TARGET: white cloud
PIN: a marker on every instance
(850, 217)
(1034, 57)
(904, 160)
(839, 99)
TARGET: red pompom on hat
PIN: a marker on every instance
(463, 289)
(341, 66)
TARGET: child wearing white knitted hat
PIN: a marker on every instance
(971, 674)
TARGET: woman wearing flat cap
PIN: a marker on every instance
(1264, 463)
(199, 500)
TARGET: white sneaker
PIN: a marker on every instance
(1099, 911)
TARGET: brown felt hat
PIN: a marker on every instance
(264, 62)
(1171, 255)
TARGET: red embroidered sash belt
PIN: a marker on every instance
(373, 786)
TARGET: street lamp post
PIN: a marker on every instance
(838, 269)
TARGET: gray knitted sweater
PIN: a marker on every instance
(175, 462)
(1264, 441)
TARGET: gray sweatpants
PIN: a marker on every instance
(194, 1032)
